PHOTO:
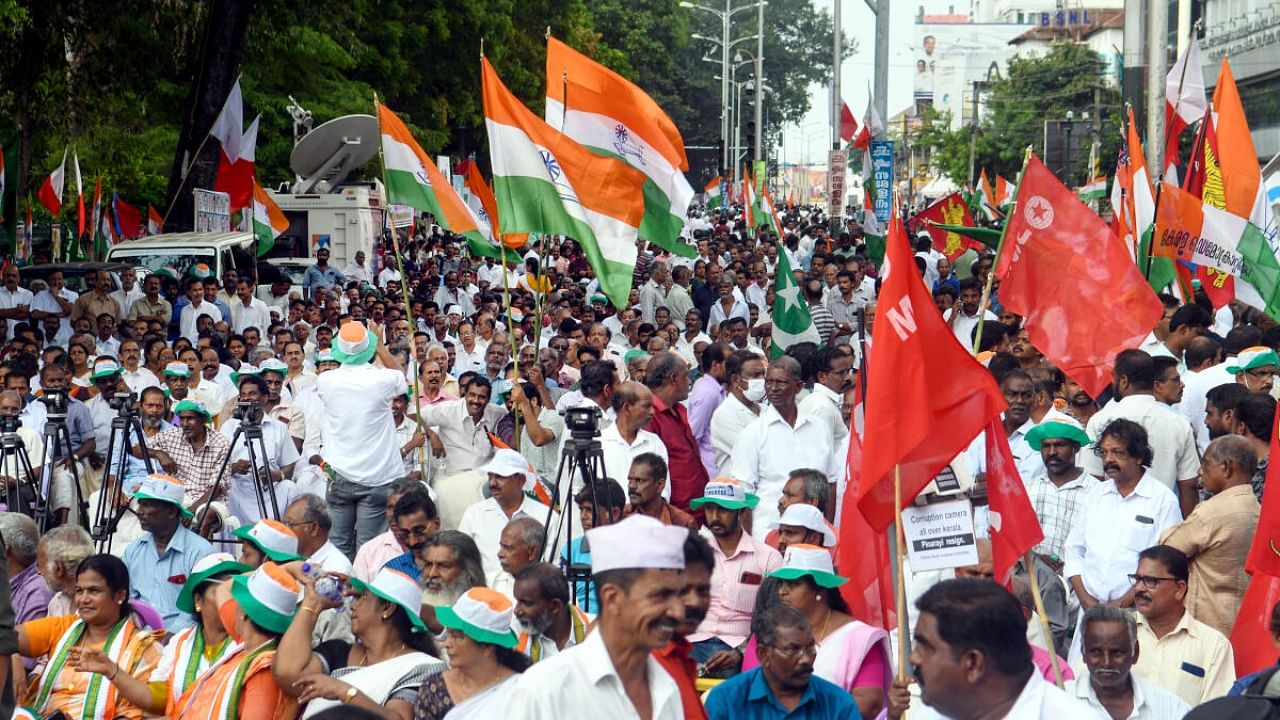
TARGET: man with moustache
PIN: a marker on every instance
(1117, 517)
(409, 524)
(1057, 492)
(1179, 653)
(518, 547)
(1220, 407)
(549, 623)
(1080, 405)
(637, 565)
(695, 595)
(1019, 392)
(509, 479)
(450, 565)
(783, 686)
(741, 564)
(834, 374)
(1111, 690)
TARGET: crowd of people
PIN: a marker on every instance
(478, 490)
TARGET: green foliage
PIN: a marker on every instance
(119, 92)
(1014, 110)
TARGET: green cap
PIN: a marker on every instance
(1054, 429)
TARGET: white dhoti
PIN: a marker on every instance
(455, 494)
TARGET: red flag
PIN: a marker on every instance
(848, 124)
(1059, 268)
(128, 219)
(1251, 635)
(863, 553)
(1015, 529)
(50, 192)
(155, 221)
(927, 398)
(950, 210)
(235, 176)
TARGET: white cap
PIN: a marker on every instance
(507, 462)
(810, 517)
(636, 542)
(274, 365)
(453, 310)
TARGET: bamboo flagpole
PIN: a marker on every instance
(1029, 561)
(901, 594)
(408, 301)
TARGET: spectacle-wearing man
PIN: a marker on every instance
(1111, 689)
(161, 559)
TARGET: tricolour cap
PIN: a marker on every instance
(177, 369)
(163, 488)
(207, 568)
(268, 595)
(637, 542)
(104, 368)
(810, 517)
(396, 587)
(273, 365)
(272, 538)
(810, 560)
(1253, 358)
(353, 344)
(482, 614)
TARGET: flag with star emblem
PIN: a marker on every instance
(1059, 266)
(791, 320)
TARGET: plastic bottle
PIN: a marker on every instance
(327, 586)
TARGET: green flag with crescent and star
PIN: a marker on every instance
(791, 320)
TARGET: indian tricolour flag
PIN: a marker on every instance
(1095, 189)
(268, 219)
(546, 182)
(1190, 229)
(414, 180)
(612, 116)
(715, 198)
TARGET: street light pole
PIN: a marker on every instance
(759, 79)
(724, 79)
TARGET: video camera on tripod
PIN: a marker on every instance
(124, 403)
(56, 403)
(248, 413)
(581, 462)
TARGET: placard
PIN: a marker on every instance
(837, 166)
(940, 536)
(882, 171)
(212, 211)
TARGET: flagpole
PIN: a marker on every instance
(511, 334)
(404, 289)
(1029, 560)
(986, 290)
(901, 595)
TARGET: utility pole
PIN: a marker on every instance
(759, 79)
(1157, 68)
(973, 131)
(1097, 126)
(835, 78)
(724, 84)
(881, 10)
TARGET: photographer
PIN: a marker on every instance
(10, 407)
(57, 404)
(277, 465)
(103, 406)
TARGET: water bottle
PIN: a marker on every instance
(327, 586)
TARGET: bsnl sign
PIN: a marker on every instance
(1064, 18)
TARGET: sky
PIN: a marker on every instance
(809, 141)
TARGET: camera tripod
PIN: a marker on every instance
(125, 427)
(250, 429)
(21, 489)
(58, 446)
(581, 459)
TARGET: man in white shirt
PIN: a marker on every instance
(137, 377)
(358, 270)
(758, 461)
(248, 311)
(632, 562)
(470, 353)
(1110, 650)
(276, 457)
(626, 439)
(509, 478)
(187, 326)
(463, 440)
(128, 292)
(1176, 462)
(15, 301)
(740, 408)
(451, 294)
(964, 317)
(389, 274)
(308, 517)
(970, 654)
(1118, 518)
(360, 445)
(834, 376)
(56, 301)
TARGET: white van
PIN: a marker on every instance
(345, 222)
(221, 251)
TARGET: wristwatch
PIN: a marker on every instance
(349, 695)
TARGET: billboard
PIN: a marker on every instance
(949, 56)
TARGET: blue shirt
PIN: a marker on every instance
(747, 697)
(315, 277)
(157, 579)
(586, 591)
(1239, 686)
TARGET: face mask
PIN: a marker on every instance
(755, 390)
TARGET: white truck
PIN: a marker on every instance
(346, 221)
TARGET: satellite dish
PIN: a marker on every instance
(324, 157)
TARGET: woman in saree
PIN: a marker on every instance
(191, 652)
(382, 670)
(103, 629)
(483, 667)
(256, 609)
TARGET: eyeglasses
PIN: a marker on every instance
(796, 651)
(1148, 581)
(1117, 454)
(296, 525)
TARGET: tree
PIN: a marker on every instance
(1035, 89)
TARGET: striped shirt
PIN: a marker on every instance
(823, 322)
(734, 584)
(1056, 507)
